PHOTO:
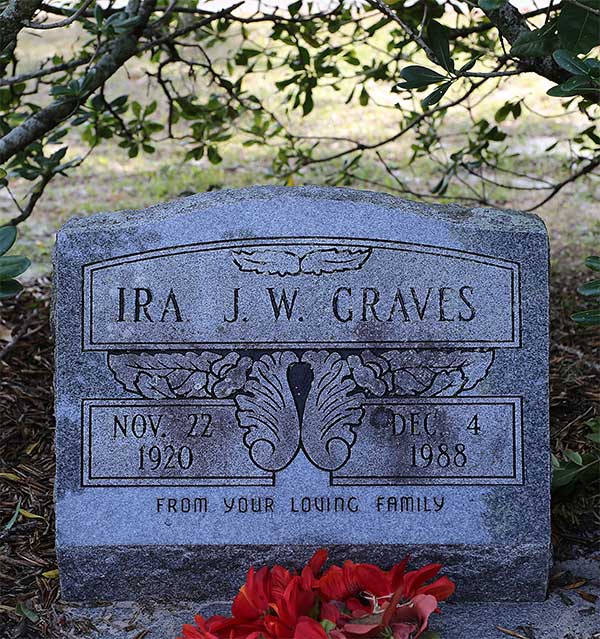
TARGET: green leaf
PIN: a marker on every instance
(491, 5)
(23, 611)
(593, 262)
(9, 288)
(435, 96)
(8, 235)
(570, 63)
(363, 98)
(539, 42)
(13, 266)
(13, 520)
(469, 65)
(294, 7)
(437, 38)
(578, 28)
(328, 626)
(587, 318)
(416, 76)
(590, 288)
(213, 155)
(565, 475)
(573, 456)
(573, 86)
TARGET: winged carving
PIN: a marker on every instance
(314, 262)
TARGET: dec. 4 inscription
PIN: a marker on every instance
(426, 441)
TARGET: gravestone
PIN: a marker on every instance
(245, 376)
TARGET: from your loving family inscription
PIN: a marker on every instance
(256, 373)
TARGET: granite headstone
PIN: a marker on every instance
(245, 376)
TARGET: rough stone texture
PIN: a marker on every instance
(394, 400)
(564, 615)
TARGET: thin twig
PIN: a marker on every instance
(60, 23)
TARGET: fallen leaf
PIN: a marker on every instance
(32, 447)
(142, 634)
(512, 633)
(13, 519)
(50, 574)
(23, 611)
(30, 515)
(588, 596)
(5, 333)
(10, 476)
(576, 585)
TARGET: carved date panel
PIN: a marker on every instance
(469, 440)
(153, 443)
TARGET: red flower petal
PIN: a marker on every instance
(441, 589)
(308, 628)
(397, 574)
(330, 612)
(370, 578)
(416, 578)
(317, 561)
(361, 629)
(402, 630)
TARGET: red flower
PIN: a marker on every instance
(347, 602)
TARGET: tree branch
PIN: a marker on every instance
(40, 73)
(36, 126)
(60, 23)
(395, 16)
(588, 168)
(13, 19)
(511, 23)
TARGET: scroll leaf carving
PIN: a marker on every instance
(316, 262)
(427, 373)
(180, 375)
(333, 409)
(268, 412)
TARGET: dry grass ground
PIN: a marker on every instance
(109, 181)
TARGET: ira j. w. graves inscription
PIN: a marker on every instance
(245, 376)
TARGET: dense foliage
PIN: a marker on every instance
(439, 55)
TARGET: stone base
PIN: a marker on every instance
(481, 573)
(564, 615)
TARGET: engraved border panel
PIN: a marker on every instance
(91, 342)
(88, 479)
(516, 439)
